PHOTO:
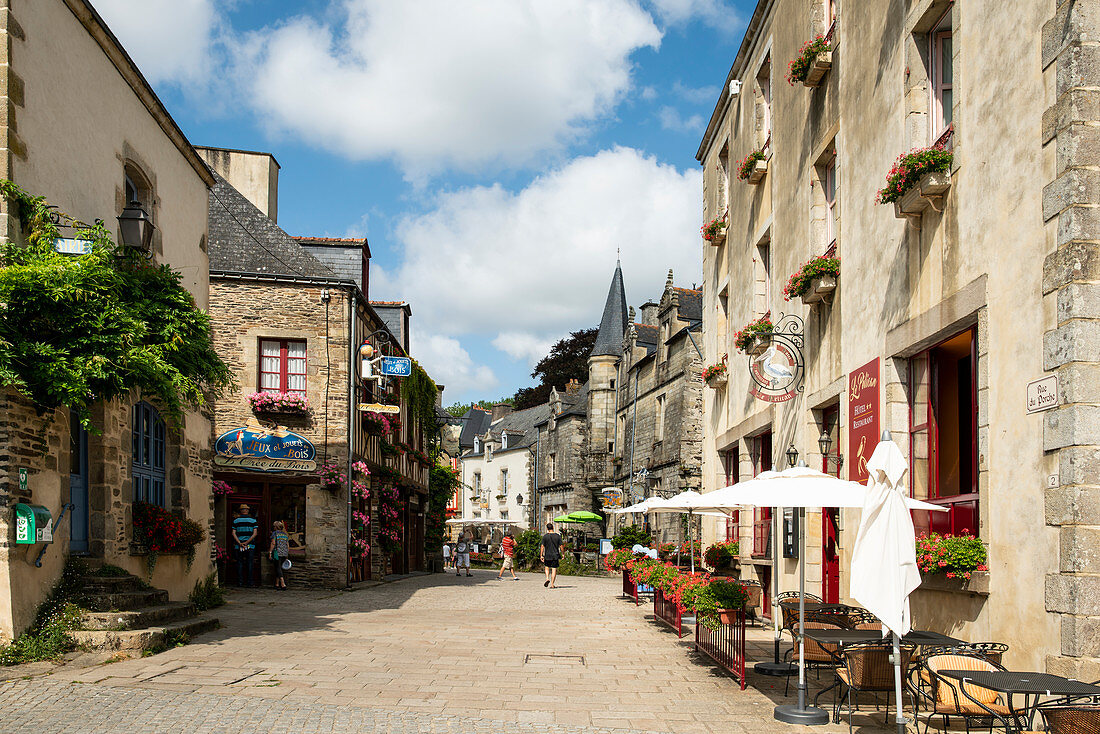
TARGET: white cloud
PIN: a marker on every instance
(671, 119)
(169, 40)
(717, 14)
(525, 268)
(696, 95)
(451, 366)
(528, 347)
(434, 83)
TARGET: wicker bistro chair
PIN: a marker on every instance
(755, 603)
(920, 676)
(866, 667)
(818, 656)
(948, 697)
(1072, 719)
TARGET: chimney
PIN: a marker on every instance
(500, 410)
(649, 313)
(254, 174)
(573, 386)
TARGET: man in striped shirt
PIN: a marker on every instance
(508, 548)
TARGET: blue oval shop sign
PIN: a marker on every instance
(276, 449)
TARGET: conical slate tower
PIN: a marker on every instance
(609, 340)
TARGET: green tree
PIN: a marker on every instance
(442, 483)
(79, 329)
(567, 360)
(629, 536)
(459, 409)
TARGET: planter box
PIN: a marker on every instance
(821, 64)
(928, 193)
(820, 290)
(717, 381)
(758, 170)
(719, 238)
(977, 585)
(759, 345)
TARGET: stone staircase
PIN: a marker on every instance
(123, 613)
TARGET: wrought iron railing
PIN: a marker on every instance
(668, 612)
(725, 645)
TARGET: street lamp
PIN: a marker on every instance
(792, 455)
(825, 442)
(136, 228)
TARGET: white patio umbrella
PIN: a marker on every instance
(803, 488)
(884, 560)
(689, 503)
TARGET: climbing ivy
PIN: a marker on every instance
(79, 329)
(442, 483)
(419, 393)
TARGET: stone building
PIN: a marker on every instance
(498, 479)
(121, 146)
(638, 415)
(950, 302)
(289, 315)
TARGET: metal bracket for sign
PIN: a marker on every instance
(787, 336)
(69, 506)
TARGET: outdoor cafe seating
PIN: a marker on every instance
(947, 697)
(867, 667)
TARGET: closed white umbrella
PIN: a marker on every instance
(884, 560)
(799, 487)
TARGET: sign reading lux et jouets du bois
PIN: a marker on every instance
(268, 450)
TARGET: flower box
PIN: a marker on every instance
(929, 192)
(818, 67)
(714, 231)
(820, 290)
(759, 168)
(977, 584)
(717, 381)
(719, 237)
(760, 344)
(279, 403)
(728, 616)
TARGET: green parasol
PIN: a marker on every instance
(585, 516)
(567, 519)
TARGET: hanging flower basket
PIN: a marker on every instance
(753, 167)
(220, 488)
(331, 477)
(716, 374)
(918, 180)
(288, 403)
(755, 337)
(813, 60)
(714, 231)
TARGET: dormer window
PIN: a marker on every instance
(503, 441)
(477, 445)
(488, 452)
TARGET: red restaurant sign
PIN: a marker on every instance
(864, 409)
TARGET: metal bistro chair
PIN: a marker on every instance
(861, 619)
(948, 697)
(1071, 719)
(867, 667)
(921, 679)
(818, 656)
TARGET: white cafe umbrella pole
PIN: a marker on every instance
(775, 667)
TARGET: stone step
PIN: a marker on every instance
(123, 601)
(143, 639)
(110, 584)
(138, 618)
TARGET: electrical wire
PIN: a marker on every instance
(290, 270)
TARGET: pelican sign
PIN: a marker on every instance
(777, 373)
(256, 448)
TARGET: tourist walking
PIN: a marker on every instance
(280, 553)
(462, 555)
(446, 555)
(550, 555)
(244, 540)
(508, 550)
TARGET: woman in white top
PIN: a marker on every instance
(462, 555)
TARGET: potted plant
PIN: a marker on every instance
(720, 601)
(753, 167)
(755, 336)
(721, 556)
(813, 60)
(715, 375)
(289, 403)
(714, 231)
(331, 477)
(814, 281)
(953, 556)
(918, 179)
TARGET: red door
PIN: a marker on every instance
(830, 518)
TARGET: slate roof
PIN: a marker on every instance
(609, 339)
(691, 304)
(575, 403)
(521, 428)
(242, 239)
(474, 423)
(647, 337)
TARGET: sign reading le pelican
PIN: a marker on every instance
(270, 450)
(777, 372)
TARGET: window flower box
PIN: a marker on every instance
(820, 291)
(288, 403)
(753, 167)
(813, 60)
(815, 281)
(716, 382)
(755, 337)
(977, 584)
(716, 374)
(714, 231)
(929, 192)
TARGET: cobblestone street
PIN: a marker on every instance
(426, 654)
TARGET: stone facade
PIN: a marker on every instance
(80, 163)
(983, 282)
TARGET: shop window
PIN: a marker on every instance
(941, 75)
(283, 366)
(288, 503)
(943, 434)
(147, 468)
(731, 464)
(762, 516)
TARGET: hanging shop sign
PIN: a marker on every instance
(379, 408)
(864, 417)
(266, 450)
(397, 366)
(610, 498)
(777, 372)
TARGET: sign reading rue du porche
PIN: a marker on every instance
(1042, 394)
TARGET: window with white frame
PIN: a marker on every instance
(828, 187)
(503, 440)
(941, 75)
(832, 10)
(553, 466)
(283, 366)
(764, 100)
(503, 481)
(477, 445)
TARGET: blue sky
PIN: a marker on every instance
(495, 153)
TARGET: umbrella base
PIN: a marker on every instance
(809, 716)
(779, 670)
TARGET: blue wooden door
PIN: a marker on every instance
(78, 486)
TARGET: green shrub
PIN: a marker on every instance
(527, 548)
(630, 536)
(49, 641)
(109, 571)
(207, 593)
